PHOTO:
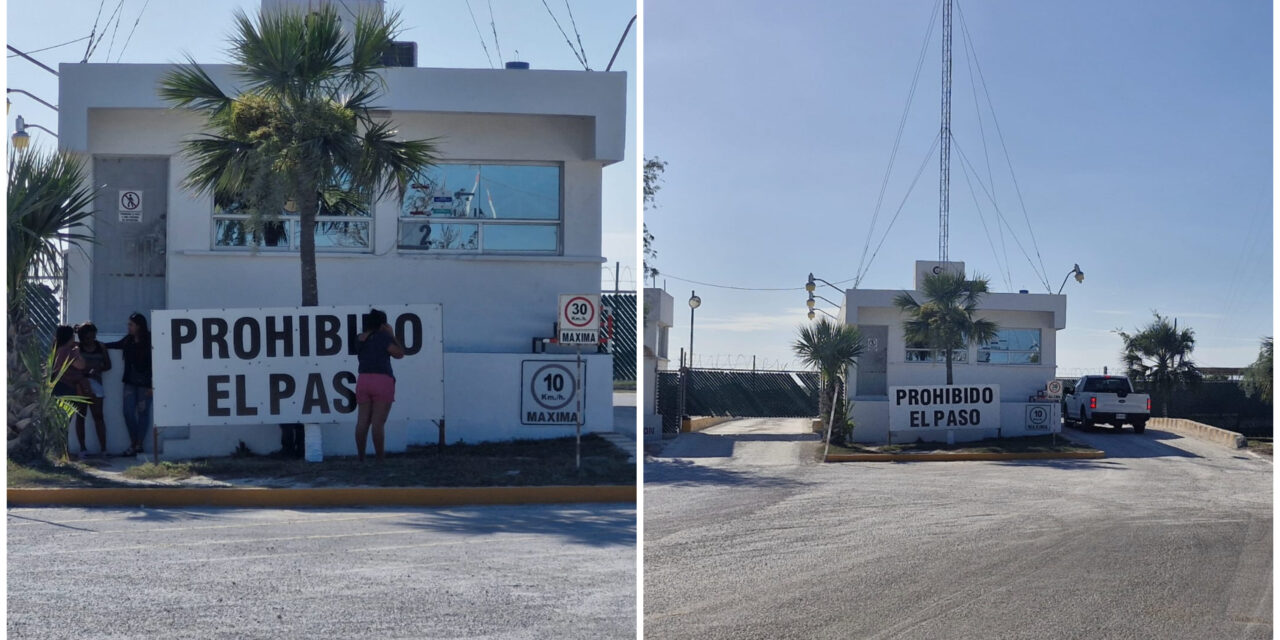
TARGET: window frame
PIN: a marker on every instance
(1036, 354)
(293, 226)
(557, 223)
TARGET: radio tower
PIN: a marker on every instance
(944, 169)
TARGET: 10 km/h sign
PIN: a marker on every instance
(579, 319)
(549, 392)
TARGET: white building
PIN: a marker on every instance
(658, 315)
(518, 188)
(1020, 362)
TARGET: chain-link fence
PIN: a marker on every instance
(728, 392)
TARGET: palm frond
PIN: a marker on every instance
(188, 86)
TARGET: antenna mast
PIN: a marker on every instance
(944, 169)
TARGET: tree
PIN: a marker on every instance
(1159, 354)
(1257, 377)
(945, 320)
(829, 347)
(48, 204)
(303, 127)
(653, 169)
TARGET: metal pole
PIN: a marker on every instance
(944, 162)
(691, 310)
(617, 274)
(577, 453)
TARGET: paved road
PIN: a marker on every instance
(482, 572)
(1166, 538)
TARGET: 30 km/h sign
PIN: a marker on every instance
(549, 392)
(579, 318)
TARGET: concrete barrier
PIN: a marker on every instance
(963, 457)
(698, 424)
(318, 497)
(1199, 431)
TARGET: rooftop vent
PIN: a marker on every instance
(515, 64)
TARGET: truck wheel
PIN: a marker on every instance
(1139, 427)
(1085, 421)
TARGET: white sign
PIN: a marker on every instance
(958, 406)
(130, 205)
(579, 318)
(1040, 417)
(298, 364)
(549, 392)
(1053, 390)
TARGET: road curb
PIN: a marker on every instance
(1200, 431)
(330, 497)
(962, 457)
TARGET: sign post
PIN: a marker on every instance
(579, 324)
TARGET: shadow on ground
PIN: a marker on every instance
(1117, 443)
(596, 525)
(665, 471)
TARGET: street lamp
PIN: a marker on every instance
(812, 315)
(1079, 277)
(694, 303)
(812, 285)
(21, 138)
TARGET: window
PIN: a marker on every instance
(920, 352)
(1012, 346)
(342, 224)
(483, 208)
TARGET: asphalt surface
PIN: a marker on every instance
(548, 571)
(747, 536)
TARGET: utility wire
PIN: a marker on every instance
(1009, 161)
(135, 28)
(116, 14)
(567, 41)
(54, 46)
(577, 35)
(970, 52)
(1005, 271)
(727, 286)
(480, 35)
(493, 24)
(919, 172)
(88, 49)
(902, 123)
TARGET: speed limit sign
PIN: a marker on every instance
(579, 318)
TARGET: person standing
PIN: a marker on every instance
(68, 366)
(96, 361)
(376, 384)
(138, 392)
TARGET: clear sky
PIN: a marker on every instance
(444, 31)
(1140, 135)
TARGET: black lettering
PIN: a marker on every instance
(282, 386)
(215, 332)
(975, 417)
(915, 418)
(315, 397)
(988, 396)
(957, 396)
(938, 416)
(913, 397)
(409, 332)
(247, 328)
(344, 384)
(328, 341)
(282, 336)
(182, 331)
(216, 393)
(899, 396)
(243, 409)
(353, 334)
(304, 336)
(939, 396)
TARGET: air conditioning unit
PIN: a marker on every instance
(401, 54)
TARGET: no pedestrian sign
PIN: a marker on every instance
(579, 318)
(130, 205)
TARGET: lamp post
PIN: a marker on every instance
(21, 138)
(811, 303)
(1078, 273)
(694, 303)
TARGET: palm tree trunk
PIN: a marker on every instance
(307, 244)
(948, 357)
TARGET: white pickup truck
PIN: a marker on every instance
(1105, 400)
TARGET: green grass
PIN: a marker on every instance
(1031, 444)
(42, 474)
(490, 464)
(624, 385)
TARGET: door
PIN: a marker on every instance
(130, 216)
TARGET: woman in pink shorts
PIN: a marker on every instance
(376, 385)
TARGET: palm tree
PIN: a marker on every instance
(1257, 377)
(48, 202)
(1160, 355)
(303, 125)
(829, 347)
(945, 320)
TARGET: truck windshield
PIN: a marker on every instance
(1108, 385)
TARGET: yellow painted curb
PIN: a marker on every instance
(957, 457)
(345, 497)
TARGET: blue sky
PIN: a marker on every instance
(444, 31)
(1140, 136)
